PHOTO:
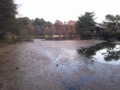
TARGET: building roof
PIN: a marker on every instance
(97, 25)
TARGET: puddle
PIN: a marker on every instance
(85, 79)
(63, 82)
(73, 86)
(70, 88)
(108, 53)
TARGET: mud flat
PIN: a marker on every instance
(54, 65)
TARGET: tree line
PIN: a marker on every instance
(24, 27)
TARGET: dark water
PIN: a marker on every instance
(105, 53)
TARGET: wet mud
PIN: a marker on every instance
(54, 65)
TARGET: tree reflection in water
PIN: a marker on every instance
(109, 51)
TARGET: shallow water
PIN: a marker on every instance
(54, 65)
(108, 53)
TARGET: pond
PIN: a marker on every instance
(56, 65)
(105, 52)
(62, 37)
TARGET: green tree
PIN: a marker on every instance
(112, 21)
(110, 18)
(40, 24)
(7, 16)
(23, 26)
(85, 22)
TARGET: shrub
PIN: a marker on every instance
(106, 35)
(87, 34)
(117, 35)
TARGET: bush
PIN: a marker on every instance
(87, 34)
(117, 35)
(106, 35)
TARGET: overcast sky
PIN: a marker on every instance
(65, 10)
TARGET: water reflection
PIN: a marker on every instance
(62, 37)
(104, 52)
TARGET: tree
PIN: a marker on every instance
(40, 25)
(110, 18)
(39, 22)
(23, 26)
(7, 16)
(85, 22)
(112, 21)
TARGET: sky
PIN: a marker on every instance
(65, 10)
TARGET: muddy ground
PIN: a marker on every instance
(54, 65)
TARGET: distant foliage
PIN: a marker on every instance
(85, 23)
(117, 35)
(87, 34)
(106, 35)
(112, 21)
(41, 26)
(24, 26)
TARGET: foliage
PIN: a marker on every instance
(112, 21)
(85, 22)
(7, 16)
(21, 24)
(112, 18)
(87, 34)
(106, 35)
(41, 22)
(117, 35)
(40, 25)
